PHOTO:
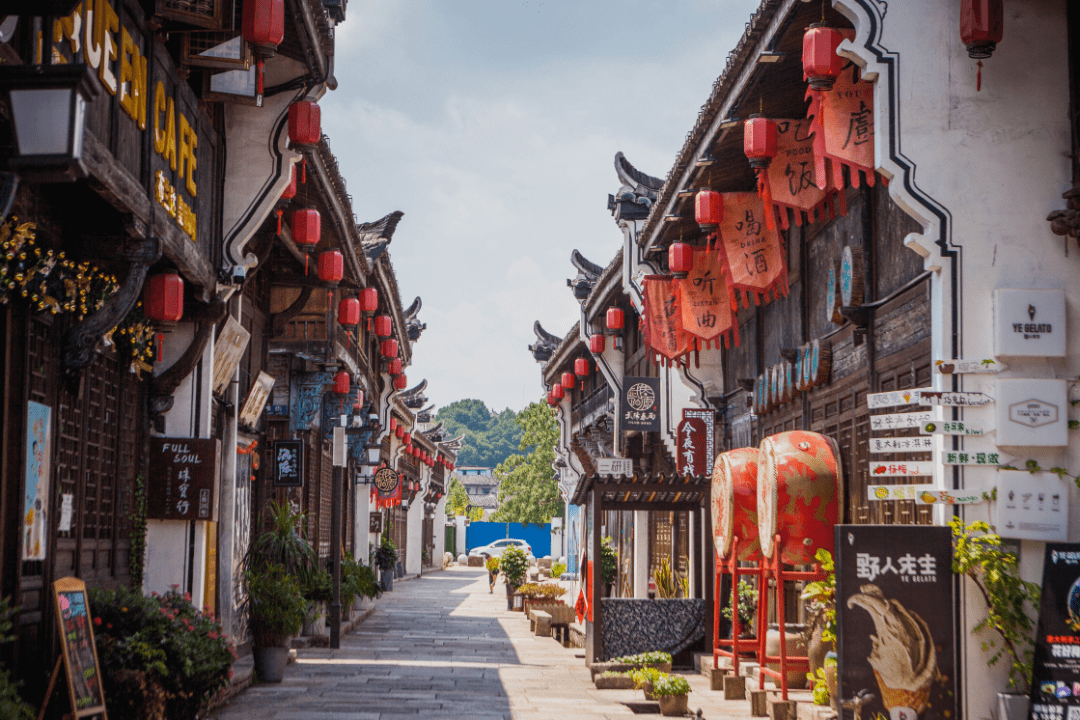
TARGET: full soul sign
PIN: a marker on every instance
(183, 479)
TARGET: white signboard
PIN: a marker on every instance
(1032, 506)
(902, 469)
(1029, 323)
(955, 399)
(970, 457)
(901, 444)
(1033, 413)
(611, 466)
(924, 494)
(900, 420)
(228, 349)
(987, 366)
(896, 492)
(952, 427)
(898, 397)
(256, 399)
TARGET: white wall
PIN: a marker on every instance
(415, 536)
(439, 523)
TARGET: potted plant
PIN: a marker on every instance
(317, 587)
(645, 677)
(514, 564)
(492, 565)
(609, 565)
(747, 601)
(366, 583)
(977, 554)
(671, 691)
(821, 612)
(386, 558)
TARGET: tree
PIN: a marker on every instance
(528, 491)
(456, 499)
(489, 438)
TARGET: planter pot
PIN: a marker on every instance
(796, 646)
(673, 705)
(1013, 707)
(315, 619)
(387, 579)
(510, 589)
(817, 649)
(646, 689)
(830, 682)
(613, 682)
(270, 663)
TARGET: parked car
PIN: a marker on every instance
(496, 548)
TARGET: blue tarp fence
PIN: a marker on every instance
(482, 533)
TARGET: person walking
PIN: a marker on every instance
(492, 565)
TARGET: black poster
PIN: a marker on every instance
(288, 463)
(639, 404)
(895, 594)
(1055, 686)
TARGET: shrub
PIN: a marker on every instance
(644, 675)
(386, 555)
(609, 561)
(538, 591)
(11, 705)
(747, 605)
(671, 685)
(514, 564)
(276, 606)
(283, 544)
(316, 583)
(654, 657)
(557, 569)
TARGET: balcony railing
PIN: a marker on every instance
(595, 401)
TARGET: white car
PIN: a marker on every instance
(496, 548)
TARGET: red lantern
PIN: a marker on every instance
(290, 190)
(342, 382)
(383, 326)
(305, 123)
(820, 63)
(581, 367)
(680, 259)
(615, 319)
(596, 344)
(393, 424)
(369, 300)
(331, 266)
(451, 466)
(306, 226)
(568, 380)
(759, 141)
(552, 401)
(558, 391)
(163, 297)
(400, 383)
(263, 27)
(400, 432)
(981, 26)
(407, 439)
(348, 311)
(708, 209)
(395, 366)
(389, 348)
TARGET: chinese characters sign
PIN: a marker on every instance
(754, 252)
(662, 326)
(639, 404)
(844, 126)
(707, 302)
(901, 469)
(288, 463)
(183, 479)
(899, 420)
(695, 442)
(901, 444)
(897, 397)
(1055, 683)
(792, 178)
(894, 642)
(614, 466)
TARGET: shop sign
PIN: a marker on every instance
(1055, 682)
(982, 458)
(985, 366)
(1029, 323)
(375, 523)
(288, 463)
(951, 427)
(183, 479)
(1032, 506)
(695, 443)
(902, 469)
(897, 397)
(900, 420)
(228, 349)
(386, 481)
(612, 466)
(35, 528)
(1032, 412)
(896, 647)
(639, 404)
(897, 492)
(954, 399)
(924, 494)
(901, 444)
(256, 400)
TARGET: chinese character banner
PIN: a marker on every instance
(661, 325)
(707, 301)
(754, 251)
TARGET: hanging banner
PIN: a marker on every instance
(639, 404)
(1055, 682)
(660, 319)
(695, 438)
(387, 488)
(896, 647)
(707, 301)
(755, 252)
(35, 535)
(791, 177)
(842, 121)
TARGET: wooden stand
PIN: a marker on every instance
(738, 646)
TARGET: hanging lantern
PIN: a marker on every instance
(708, 209)
(558, 391)
(616, 318)
(306, 226)
(388, 348)
(680, 260)
(163, 297)
(305, 124)
(568, 379)
(263, 27)
(596, 344)
(581, 367)
(820, 63)
(400, 383)
(399, 431)
(393, 424)
(759, 141)
(407, 439)
(331, 266)
(395, 366)
(981, 26)
(342, 383)
(369, 300)
(552, 400)
(383, 326)
(348, 311)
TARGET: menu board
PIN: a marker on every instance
(77, 646)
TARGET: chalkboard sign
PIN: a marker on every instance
(288, 463)
(77, 646)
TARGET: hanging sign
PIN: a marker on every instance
(288, 463)
(707, 301)
(954, 399)
(183, 479)
(843, 126)
(1029, 323)
(897, 492)
(901, 444)
(256, 400)
(614, 466)
(897, 397)
(813, 365)
(791, 177)
(388, 488)
(660, 319)
(902, 469)
(639, 404)
(1032, 506)
(985, 366)
(951, 427)
(35, 514)
(695, 442)
(895, 644)
(967, 457)
(1055, 685)
(77, 648)
(375, 523)
(900, 420)
(754, 251)
(1032, 412)
(229, 348)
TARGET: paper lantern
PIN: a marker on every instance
(395, 366)
(290, 190)
(399, 431)
(820, 63)
(708, 209)
(263, 23)
(369, 300)
(680, 259)
(342, 382)
(384, 327)
(393, 424)
(163, 297)
(331, 266)
(558, 391)
(581, 367)
(615, 319)
(389, 348)
(734, 503)
(400, 382)
(568, 380)
(552, 400)
(306, 226)
(759, 141)
(596, 344)
(407, 439)
(981, 26)
(305, 123)
(348, 311)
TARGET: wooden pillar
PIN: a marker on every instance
(708, 563)
(596, 506)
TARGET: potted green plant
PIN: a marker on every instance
(386, 557)
(978, 555)
(671, 691)
(747, 600)
(317, 587)
(821, 612)
(609, 565)
(644, 678)
(514, 564)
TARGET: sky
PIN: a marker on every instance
(493, 125)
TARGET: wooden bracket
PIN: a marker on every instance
(281, 319)
(163, 385)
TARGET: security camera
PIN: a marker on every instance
(239, 273)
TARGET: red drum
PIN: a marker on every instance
(734, 503)
(800, 487)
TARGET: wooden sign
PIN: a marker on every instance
(256, 399)
(896, 492)
(851, 277)
(695, 443)
(970, 367)
(951, 427)
(902, 469)
(183, 479)
(897, 397)
(901, 444)
(228, 349)
(375, 523)
(77, 649)
(955, 399)
(900, 420)
(614, 466)
(984, 459)
(288, 463)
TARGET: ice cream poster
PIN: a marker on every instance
(1055, 686)
(896, 644)
(35, 536)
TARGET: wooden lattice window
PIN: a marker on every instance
(210, 14)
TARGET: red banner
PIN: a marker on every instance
(755, 253)
(692, 457)
(842, 120)
(660, 319)
(707, 300)
(792, 181)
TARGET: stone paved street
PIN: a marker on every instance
(441, 646)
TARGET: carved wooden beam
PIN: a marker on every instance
(162, 386)
(81, 339)
(280, 320)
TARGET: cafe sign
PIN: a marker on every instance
(183, 479)
(1032, 412)
(639, 404)
(1029, 323)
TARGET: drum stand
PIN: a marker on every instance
(774, 569)
(738, 646)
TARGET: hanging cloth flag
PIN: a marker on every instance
(754, 254)
(842, 121)
(792, 179)
(707, 300)
(661, 321)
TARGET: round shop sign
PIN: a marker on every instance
(640, 397)
(386, 480)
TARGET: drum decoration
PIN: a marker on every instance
(832, 298)
(820, 362)
(800, 488)
(734, 503)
